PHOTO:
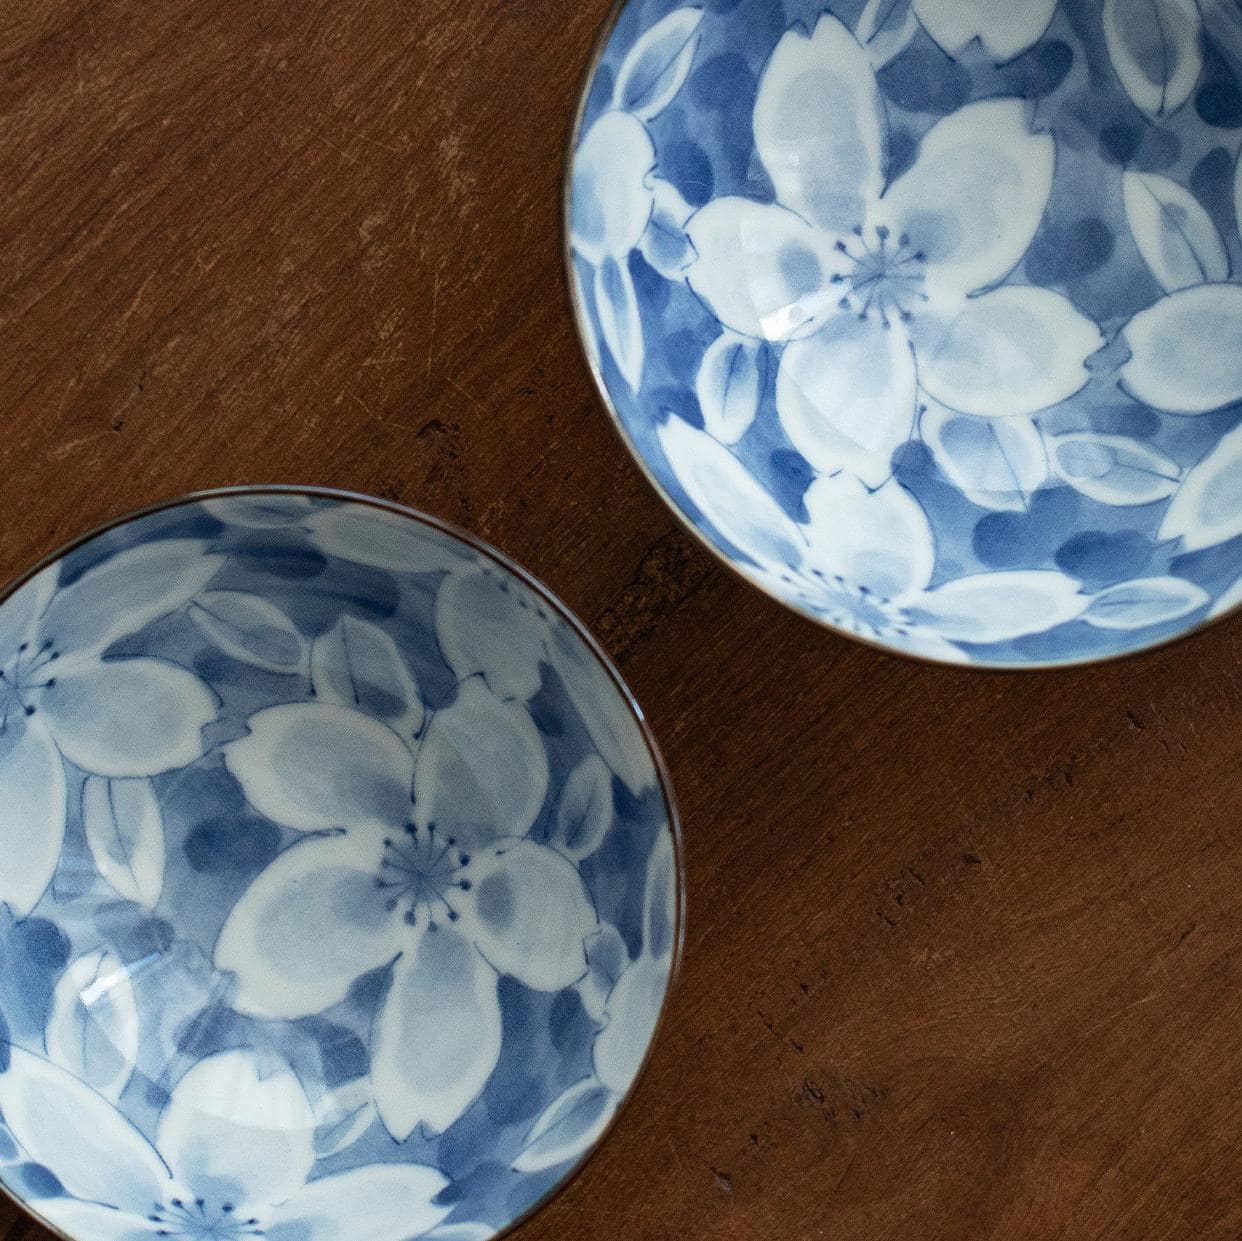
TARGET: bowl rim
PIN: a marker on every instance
(581, 319)
(481, 546)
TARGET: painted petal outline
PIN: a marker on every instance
(1154, 47)
(529, 914)
(1009, 352)
(313, 766)
(128, 717)
(51, 1113)
(440, 988)
(657, 66)
(1174, 234)
(761, 270)
(482, 771)
(998, 607)
(820, 126)
(1145, 601)
(846, 397)
(121, 595)
(612, 200)
(32, 815)
(308, 927)
(234, 1129)
(878, 539)
(729, 497)
(1186, 350)
(995, 462)
(1005, 31)
(975, 195)
(1207, 508)
(370, 1203)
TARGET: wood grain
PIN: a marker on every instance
(965, 951)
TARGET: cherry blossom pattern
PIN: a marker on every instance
(448, 888)
(232, 1158)
(619, 205)
(624, 995)
(864, 560)
(63, 699)
(877, 294)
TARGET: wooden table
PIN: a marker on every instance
(965, 950)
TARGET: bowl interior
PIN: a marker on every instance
(339, 887)
(923, 315)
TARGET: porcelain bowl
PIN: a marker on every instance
(924, 315)
(339, 879)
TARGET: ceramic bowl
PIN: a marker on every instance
(924, 314)
(339, 879)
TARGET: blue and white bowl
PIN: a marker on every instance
(926, 315)
(339, 879)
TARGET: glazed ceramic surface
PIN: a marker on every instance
(338, 888)
(926, 315)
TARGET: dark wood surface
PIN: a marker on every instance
(964, 956)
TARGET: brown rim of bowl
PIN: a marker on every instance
(582, 323)
(592, 645)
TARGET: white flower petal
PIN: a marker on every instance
(727, 495)
(529, 914)
(90, 1147)
(125, 832)
(250, 629)
(620, 323)
(568, 1127)
(604, 707)
(1175, 235)
(846, 397)
(235, 1129)
(1005, 30)
(975, 195)
(997, 607)
(88, 1221)
(92, 1031)
(382, 1202)
(128, 717)
(1111, 469)
(633, 1011)
(482, 771)
(20, 612)
(729, 386)
(489, 623)
(762, 270)
(656, 67)
(1154, 47)
(32, 813)
(1145, 601)
(879, 539)
(1186, 350)
(126, 592)
(665, 245)
(1207, 508)
(660, 928)
(308, 926)
(996, 462)
(820, 126)
(612, 199)
(356, 664)
(316, 765)
(437, 1039)
(585, 812)
(1012, 351)
(367, 534)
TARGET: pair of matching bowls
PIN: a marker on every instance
(340, 877)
